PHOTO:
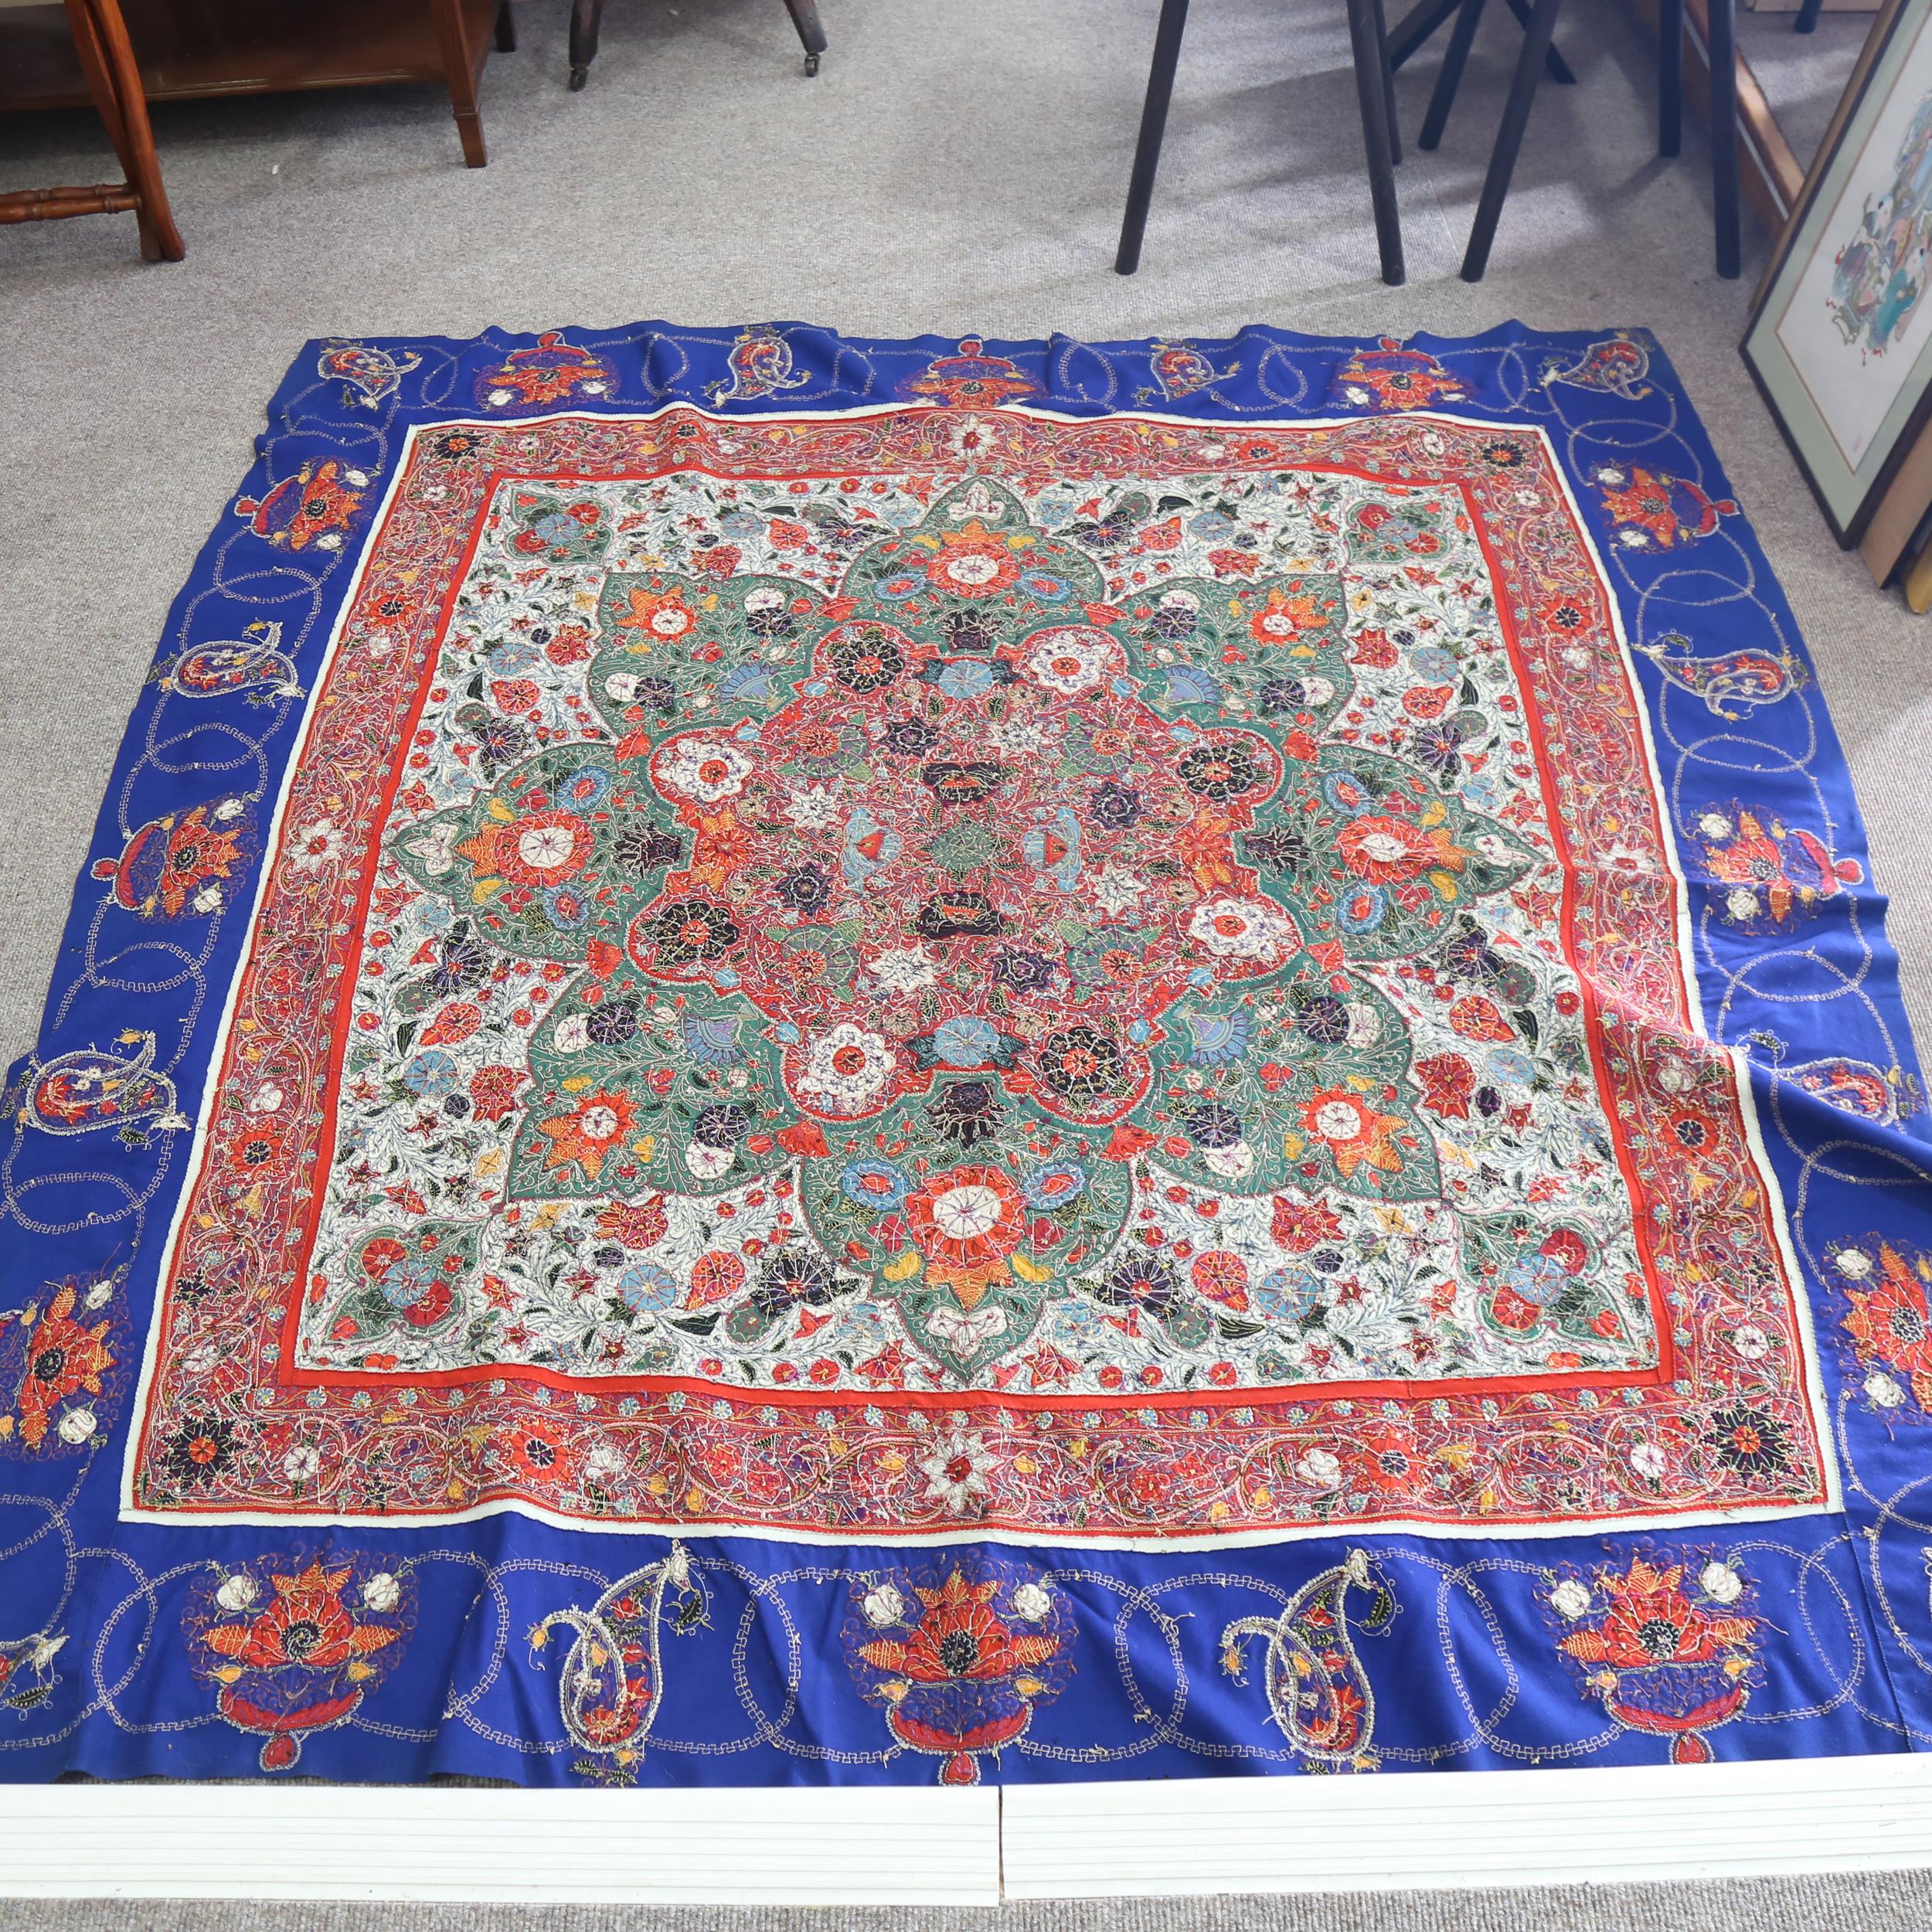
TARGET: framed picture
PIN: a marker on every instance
(1840, 336)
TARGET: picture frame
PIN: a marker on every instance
(1839, 336)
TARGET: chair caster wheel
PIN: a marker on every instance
(578, 76)
(811, 65)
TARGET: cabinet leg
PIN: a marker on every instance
(505, 29)
(812, 30)
(1724, 190)
(585, 17)
(462, 76)
(1670, 76)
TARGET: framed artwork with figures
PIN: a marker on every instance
(1840, 335)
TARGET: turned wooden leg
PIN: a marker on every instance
(812, 30)
(107, 59)
(585, 16)
(462, 75)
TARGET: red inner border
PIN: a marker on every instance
(349, 975)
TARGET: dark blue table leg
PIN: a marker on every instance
(1450, 79)
(1516, 117)
(1807, 16)
(1147, 154)
(1670, 76)
(1723, 17)
(1371, 90)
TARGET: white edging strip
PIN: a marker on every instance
(923, 1846)
(1468, 1829)
(791, 1845)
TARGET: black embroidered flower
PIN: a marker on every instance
(500, 743)
(723, 1125)
(1114, 806)
(1211, 1124)
(865, 658)
(200, 1449)
(642, 849)
(690, 930)
(805, 888)
(908, 737)
(1142, 1280)
(768, 619)
(1081, 1063)
(1325, 1019)
(1277, 850)
(1218, 770)
(971, 631)
(456, 444)
(967, 1112)
(1748, 1440)
(1173, 622)
(795, 1277)
(1438, 747)
(1022, 972)
(463, 962)
(613, 1023)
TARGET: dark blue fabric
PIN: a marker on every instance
(1453, 1641)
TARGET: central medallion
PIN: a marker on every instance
(1015, 872)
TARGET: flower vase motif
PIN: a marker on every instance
(1667, 1655)
(294, 1645)
(960, 1659)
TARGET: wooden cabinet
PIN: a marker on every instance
(196, 49)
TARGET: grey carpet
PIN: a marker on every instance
(958, 165)
(1878, 1902)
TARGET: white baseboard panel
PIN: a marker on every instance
(926, 1846)
(1467, 1829)
(887, 1845)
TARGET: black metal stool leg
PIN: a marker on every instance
(1450, 79)
(1670, 76)
(812, 30)
(1147, 154)
(1389, 85)
(1723, 47)
(1560, 70)
(1421, 20)
(1807, 14)
(1416, 27)
(1371, 83)
(585, 17)
(1516, 117)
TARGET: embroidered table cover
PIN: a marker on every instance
(797, 1059)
